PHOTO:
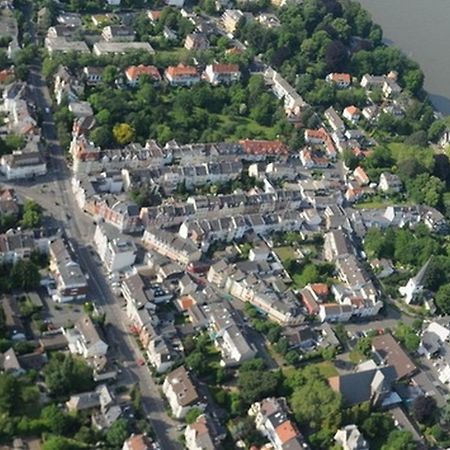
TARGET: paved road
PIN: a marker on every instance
(54, 193)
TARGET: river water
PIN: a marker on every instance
(421, 28)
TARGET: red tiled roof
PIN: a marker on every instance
(134, 72)
(260, 147)
(286, 431)
(181, 70)
(225, 68)
(352, 110)
(341, 78)
(321, 289)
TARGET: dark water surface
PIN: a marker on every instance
(421, 28)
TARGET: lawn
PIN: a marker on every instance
(356, 356)
(327, 369)
(286, 253)
(243, 127)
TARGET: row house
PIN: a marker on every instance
(71, 283)
(181, 392)
(171, 245)
(84, 339)
(335, 121)
(311, 160)
(118, 33)
(293, 102)
(66, 86)
(229, 336)
(203, 434)
(18, 245)
(84, 187)
(118, 212)
(118, 253)
(169, 177)
(321, 137)
(120, 48)
(260, 149)
(205, 231)
(337, 244)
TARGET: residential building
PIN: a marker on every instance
(138, 442)
(120, 48)
(340, 80)
(160, 354)
(93, 75)
(15, 328)
(337, 244)
(229, 336)
(27, 163)
(17, 245)
(171, 245)
(268, 20)
(222, 73)
(390, 183)
(334, 119)
(66, 86)
(196, 41)
(118, 33)
(352, 113)
(71, 283)
(175, 3)
(84, 339)
(388, 352)
(62, 45)
(271, 419)
(180, 392)
(134, 73)
(350, 438)
(182, 75)
(117, 252)
(293, 102)
(333, 312)
(203, 434)
(231, 18)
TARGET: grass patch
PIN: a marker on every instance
(327, 369)
(286, 253)
(356, 357)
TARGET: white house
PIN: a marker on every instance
(116, 251)
(180, 392)
(350, 438)
(84, 339)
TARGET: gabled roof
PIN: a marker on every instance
(181, 71)
(134, 72)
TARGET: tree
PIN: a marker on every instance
(424, 409)
(257, 384)
(195, 362)
(315, 402)
(58, 422)
(399, 440)
(123, 133)
(9, 390)
(117, 433)
(25, 276)
(61, 443)
(443, 298)
(32, 215)
(65, 375)
(192, 415)
(336, 56)
(102, 136)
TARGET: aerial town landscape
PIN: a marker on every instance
(224, 224)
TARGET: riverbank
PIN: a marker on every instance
(420, 29)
